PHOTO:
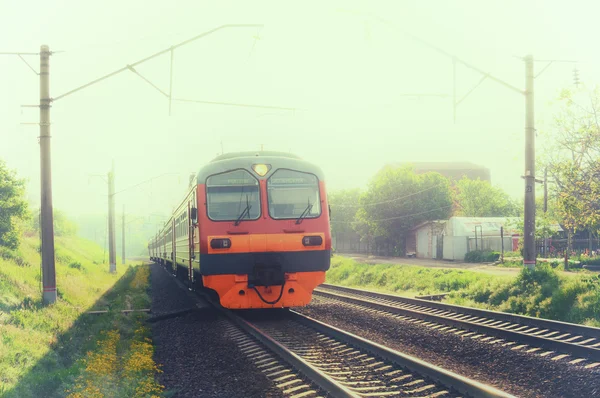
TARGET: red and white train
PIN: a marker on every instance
(254, 228)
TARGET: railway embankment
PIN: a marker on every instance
(65, 349)
(544, 292)
(197, 355)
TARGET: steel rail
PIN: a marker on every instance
(566, 327)
(332, 387)
(449, 379)
(469, 324)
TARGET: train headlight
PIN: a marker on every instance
(261, 169)
(220, 243)
(312, 241)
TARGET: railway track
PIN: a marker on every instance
(546, 337)
(307, 358)
(345, 365)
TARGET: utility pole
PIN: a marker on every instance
(112, 257)
(529, 252)
(46, 223)
(47, 219)
(529, 258)
(123, 237)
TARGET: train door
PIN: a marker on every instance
(190, 236)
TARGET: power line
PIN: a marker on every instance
(400, 198)
(390, 200)
(146, 181)
(396, 218)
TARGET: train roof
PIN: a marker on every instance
(245, 160)
(233, 155)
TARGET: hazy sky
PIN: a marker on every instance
(347, 74)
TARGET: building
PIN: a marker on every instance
(452, 239)
(451, 170)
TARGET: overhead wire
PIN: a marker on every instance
(390, 200)
(395, 199)
(396, 218)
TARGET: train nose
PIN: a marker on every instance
(267, 271)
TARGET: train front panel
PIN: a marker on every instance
(264, 236)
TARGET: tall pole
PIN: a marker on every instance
(529, 252)
(47, 222)
(112, 257)
(123, 238)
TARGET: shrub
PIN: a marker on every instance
(590, 261)
(13, 256)
(481, 256)
(75, 264)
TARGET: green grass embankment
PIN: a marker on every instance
(57, 350)
(543, 292)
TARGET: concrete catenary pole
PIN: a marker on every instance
(123, 237)
(529, 252)
(112, 257)
(47, 221)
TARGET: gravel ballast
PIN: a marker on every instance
(197, 357)
(514, 371)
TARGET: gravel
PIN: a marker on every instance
(197, 358)
(514, 371)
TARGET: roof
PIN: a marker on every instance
(465, 226)
(424, 223)
(245, 160)
(232, 155)
(440, 165)
(451, 170)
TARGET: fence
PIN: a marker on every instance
(557, 247)
(454, 247)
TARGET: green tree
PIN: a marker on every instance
(13, 208)
(477, 198)
(344, 206)
(397, 199)
(63, 226)
(573, 159)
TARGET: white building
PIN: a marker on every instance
(452, 239)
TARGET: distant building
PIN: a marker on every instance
(453, 238)
(451, 170)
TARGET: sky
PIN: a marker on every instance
(346, 67)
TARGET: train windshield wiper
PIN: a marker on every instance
(304, 213)
(246, 211)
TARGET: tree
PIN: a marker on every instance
(397, 199)
(63, 226)
(573, 159)
(344, 206)
(13, 207)
(477, 198)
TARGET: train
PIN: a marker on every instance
(253, 230)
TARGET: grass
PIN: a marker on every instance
(544, 292)
(57, 350)
(406, 279)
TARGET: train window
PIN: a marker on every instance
(292, 193)
(232, 194)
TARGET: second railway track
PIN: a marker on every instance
(558, 338)
(308, 358)
(345, 365)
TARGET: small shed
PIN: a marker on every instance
(425, 240)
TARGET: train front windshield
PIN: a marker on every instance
(232, 195)
(292, 194)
